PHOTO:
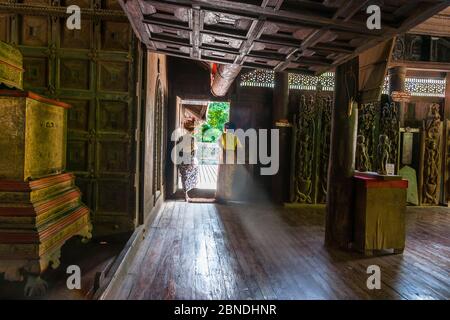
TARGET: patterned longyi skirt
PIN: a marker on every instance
(189, 176)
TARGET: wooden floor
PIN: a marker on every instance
(207, 176)
(209, 251)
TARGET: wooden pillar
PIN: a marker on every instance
(447, 98)
(397, 80)
(281, 96)
(280, 184)
(339, 219)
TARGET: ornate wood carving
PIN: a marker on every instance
(408, 47)
(325, 140)
(112, 76)
(446, 165)
(94, 70)
(280, 35)
(35, 75)
(383, 154)
(312, 148)
(75, 74)
(390, 126)
(367, 128)
(34, 31)
(362, 157)
(115, 36)
(306, 133)
(158, 140)
(431, 157)
(375, 119)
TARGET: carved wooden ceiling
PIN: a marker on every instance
(292, 35)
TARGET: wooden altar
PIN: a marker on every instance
(40, 206)
(380, 205)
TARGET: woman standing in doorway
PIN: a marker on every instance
(188, 167)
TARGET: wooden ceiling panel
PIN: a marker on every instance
(302, 35)
(214, 55)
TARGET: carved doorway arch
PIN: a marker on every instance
(158, 140)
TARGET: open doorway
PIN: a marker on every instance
(210, 120)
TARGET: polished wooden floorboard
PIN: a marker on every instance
(241, 251)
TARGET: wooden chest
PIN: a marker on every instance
(11, 66)
(32, 135)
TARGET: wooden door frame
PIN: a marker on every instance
(141, 135)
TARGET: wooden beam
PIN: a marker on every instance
(422, 65)
(334, 17)
(256, 12)
(196, 36)
(406, 25)
(228, 73)
(349, 9)
(60, 11)
(373, 65)
(134, 14)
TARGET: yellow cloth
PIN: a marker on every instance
(227, 137)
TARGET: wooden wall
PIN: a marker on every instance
(251, 107)
(96, 69)
(155, 130)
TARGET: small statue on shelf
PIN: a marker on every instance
(383, 152)
(362, 158)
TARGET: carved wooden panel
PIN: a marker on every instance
(112, 197)
(36, 70)
(324, 148)
(305, 144)
(78, 118)
(114, 116)
(446, 159)
(314, 34)
(431, 151)
(312, 148)
(92, 69)
(390, 126)
(368, 118)
(114, 157)
(74, 74)
(376, 118)
(115, 36)
(77, 39)
(34, 31)
(409, 47)
(114, 76)
(77, 155)
(158, 139)
(4, 27)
